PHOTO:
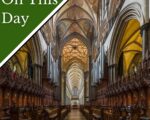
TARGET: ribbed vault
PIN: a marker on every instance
(76, 17)
(130, 49)
(75, 26)
(75, 62)
(75, 50)
(75, 76)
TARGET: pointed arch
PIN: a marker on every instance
(132, 11)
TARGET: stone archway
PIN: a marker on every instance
(131, 12)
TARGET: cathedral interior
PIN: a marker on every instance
(90, 61)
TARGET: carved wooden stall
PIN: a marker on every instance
(129, 97)
(22, 99)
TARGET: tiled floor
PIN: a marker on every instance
(75, 114)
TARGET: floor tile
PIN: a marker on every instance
(75, 114)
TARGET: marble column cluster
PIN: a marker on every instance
(65, 88)
(86, 84)
(37, 74)
(90, 78)
(145, 30)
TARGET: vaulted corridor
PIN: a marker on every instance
(91, 61)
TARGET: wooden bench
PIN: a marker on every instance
(96, 113)
(40, 114)
(85, 111)
(52, 113)
(34, 113)
(9, 113)
(5, 115)
(63, 113)
(116, 113)
(144, 118)
(24, 114)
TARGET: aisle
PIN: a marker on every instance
(75, 114)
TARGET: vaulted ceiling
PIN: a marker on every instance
(131, 46)
(75, 26)
(77, 17)
(75, 60)
(72, 31)
(19, 62)
(75, 76)
(75, 51)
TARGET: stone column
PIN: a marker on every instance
(145, 40)
(37, 74)
(145, 29)
(113, 73)
(90, 87)
(93, 92)
(90, 78)
(65, 88)
(58, 88)
(110, 74)
(85, 89)
(62, 89)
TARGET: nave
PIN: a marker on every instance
(75, 114)
(91, 59)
